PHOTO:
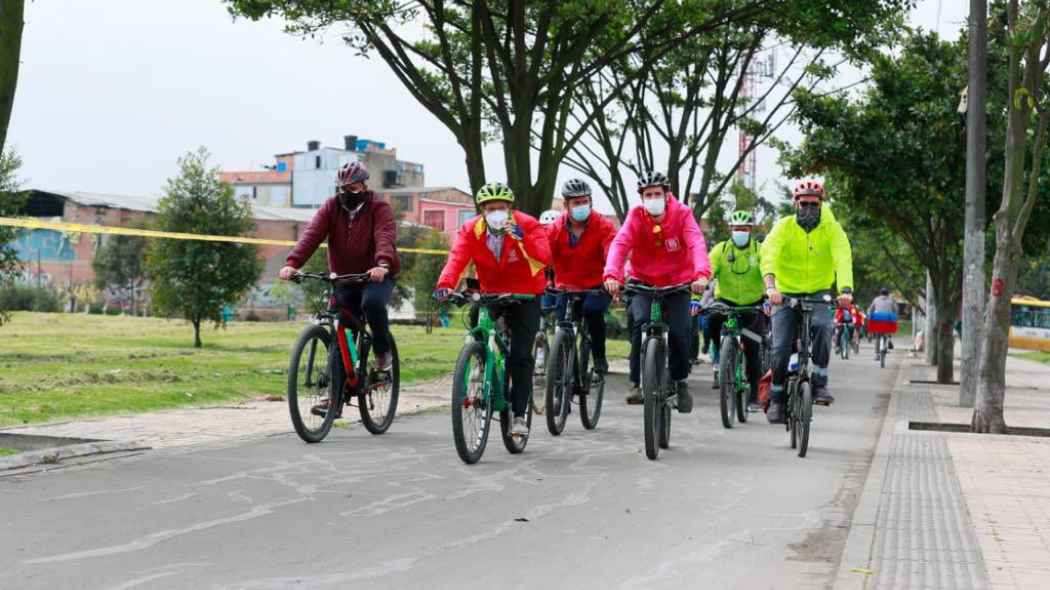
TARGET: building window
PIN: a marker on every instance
(434, 218)
(279, 196)
(465, 215)
(401, 202)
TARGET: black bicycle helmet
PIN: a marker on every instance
(653, 178)
(575, 188)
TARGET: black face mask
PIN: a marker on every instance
(808, 217)
(351, 199)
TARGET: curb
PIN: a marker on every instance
(56, 455)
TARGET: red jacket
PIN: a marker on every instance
(353, 248)
(855, 317)
(580, 266)
(519, 271)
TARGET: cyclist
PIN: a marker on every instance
(736, 268)
(803, 256)
(580, 240)
(883, 304)
(666, 248)
(510, 252)
(847, 317)
(361, 230)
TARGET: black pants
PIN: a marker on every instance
(754, 321)
(523, 322)
(371, 300)
(676, 316)
(591, 309)
(634, 358)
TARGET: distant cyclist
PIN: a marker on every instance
(883, 304)
(847, 318)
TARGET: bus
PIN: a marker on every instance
(1030, 323)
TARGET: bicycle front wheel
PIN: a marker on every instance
(541, 358)
(729, 352)
(652, 390)
(378, 398)
(471, 410)
(803, 416)
(559, 381)
(309, 378)
(593, 388)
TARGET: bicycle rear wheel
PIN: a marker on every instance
(804, 415)
(541, 359)
(309, 380)
(652, 390)
(593, 388)
(559, 381)
(727, 388)
(847, 346)
(883, 349)
(377, 401)
(471, 410)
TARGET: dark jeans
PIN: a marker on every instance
(676, 316)
(371, 300)
(785, 333)
(755, 321)
(592, 310)
(635, 354)
(523, 322)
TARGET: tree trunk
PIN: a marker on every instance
(196, 332)
(945, 350)
(12, 21)
(930, 331)
(988, 411)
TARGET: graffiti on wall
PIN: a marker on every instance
(46, 245)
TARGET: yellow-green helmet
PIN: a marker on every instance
(494, 191)
(741, 217)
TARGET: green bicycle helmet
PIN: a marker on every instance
(741, 217)
(494, 191)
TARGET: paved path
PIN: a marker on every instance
(720, 509)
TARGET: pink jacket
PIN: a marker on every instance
(681, 259)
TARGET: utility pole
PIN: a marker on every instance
(973, 238)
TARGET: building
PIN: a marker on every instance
(306, 178)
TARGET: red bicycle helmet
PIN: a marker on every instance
(350, 173)
(809, 188)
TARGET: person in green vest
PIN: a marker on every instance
(736, 265)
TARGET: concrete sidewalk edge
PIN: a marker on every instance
(57, 455)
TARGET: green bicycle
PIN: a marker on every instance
(481, 383)
(734, 387)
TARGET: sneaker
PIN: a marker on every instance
(775, 415)
(685, 399)
(385, 362)
(601, 365)
(717, 382)
(519, 428)
(876, 356)
(821, 397)
(891, 345)
(321, 409)
(754, 407)
(635, 396)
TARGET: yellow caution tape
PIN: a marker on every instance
(862, 571)
(32, 223)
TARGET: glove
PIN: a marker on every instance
(441, 294)
(517, 232)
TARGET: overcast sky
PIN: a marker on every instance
(111, 92)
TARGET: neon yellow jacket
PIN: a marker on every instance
(808, 262)
(739, 279)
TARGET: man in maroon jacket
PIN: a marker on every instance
(361, 232)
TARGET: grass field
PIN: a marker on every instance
(66, 366)
(1042, 357)
(4, 451)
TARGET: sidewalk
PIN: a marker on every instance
(955, 510)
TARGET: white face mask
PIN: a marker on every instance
(740, 238)
(655, 207)
(497, 219)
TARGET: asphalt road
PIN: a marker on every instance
(719, 509)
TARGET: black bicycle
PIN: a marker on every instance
(319, 384)
(569, 371)
(658, 397)
(799, 408)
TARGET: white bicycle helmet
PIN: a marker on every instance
(549, 216)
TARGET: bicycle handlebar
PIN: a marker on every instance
(461, 299)
(804, 302)
(659, 292)
(299, 277)
(721, 307)
(575, 292)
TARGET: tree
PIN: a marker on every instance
(11, 201)
(120, 264)
(12, 21)
(196, 278)
(1027, 42)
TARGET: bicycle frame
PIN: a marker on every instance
(487, 332)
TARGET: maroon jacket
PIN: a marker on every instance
(352, 247)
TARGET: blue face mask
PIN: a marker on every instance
(740, 238)
(581, 212)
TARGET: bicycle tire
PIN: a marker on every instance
(805, 415)
(559, 381)
(665, 425)
(593, 388)
(308, 429)
(373, 390)
(883, 349)
(791, 407)
(652, 371)
(743, 389)
(538, 404)
(727, 393)
(474, 409)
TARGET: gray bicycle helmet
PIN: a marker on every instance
(575, 188)
(653, 178)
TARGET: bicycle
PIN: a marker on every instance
(482, 382)
(541, 350)
(657, 395)
(882, 325)
(569, 369)
(845, 342)
(315, 403)
(799, 407)
(734, 387)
